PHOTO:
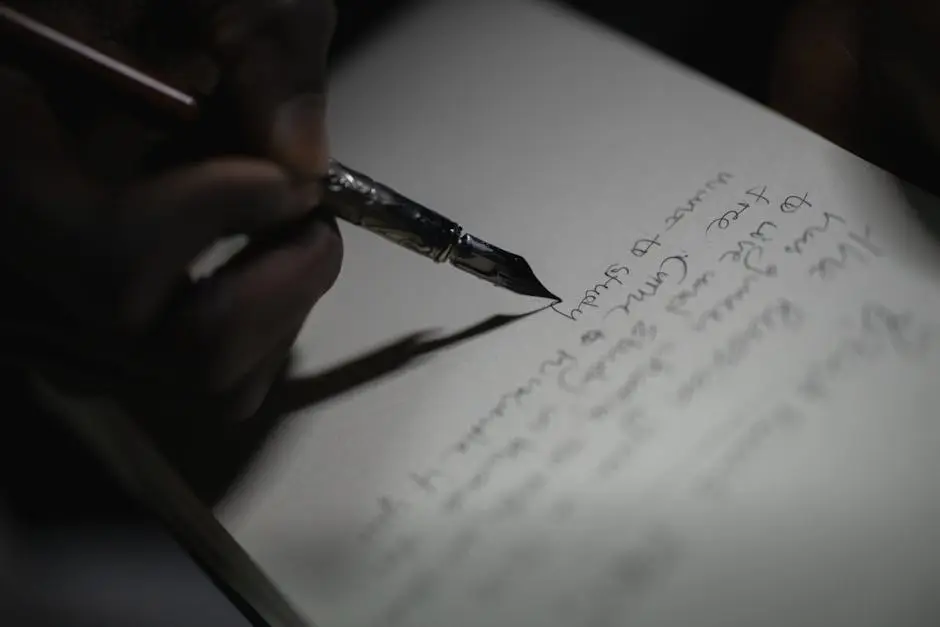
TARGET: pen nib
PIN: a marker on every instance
(497, 266)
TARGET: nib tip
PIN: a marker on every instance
(542, 292)
(523, 280)
(526, 283)
(499, 267)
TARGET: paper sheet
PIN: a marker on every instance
(731, 418)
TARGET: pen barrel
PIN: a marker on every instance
(360, 200)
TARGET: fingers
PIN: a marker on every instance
(273, 59)
(233, 327)
(163, 225)
(125, 254)
(252, 391)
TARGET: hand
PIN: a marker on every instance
(864, 73)
(96, 243)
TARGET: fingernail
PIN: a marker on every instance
(299, 139)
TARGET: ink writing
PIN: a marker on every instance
(575, 380)
(612, 275)
(727, 305)
(678, 268)
(800, 243)
(781, 315)
(689, 206)
(793, 203)
(725, 220)
(745, 445)
(878, 331)
(513, 399)
(676, 305)
(860, 249)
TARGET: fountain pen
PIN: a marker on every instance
(349, 195)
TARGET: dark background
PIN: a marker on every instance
(729, 40)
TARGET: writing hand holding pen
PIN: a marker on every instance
(97, 244)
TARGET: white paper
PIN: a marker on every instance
(748, 440)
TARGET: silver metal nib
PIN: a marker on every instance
(365, 202)
(497, 266)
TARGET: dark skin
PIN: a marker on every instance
(97, 239)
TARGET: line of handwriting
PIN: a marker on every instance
(690, 205)
(755, 196)
(783, 314)
(859, 249)
(879, 330)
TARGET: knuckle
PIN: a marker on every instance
(332, 260)
(324, 259)
(217, 335)
(210, 353)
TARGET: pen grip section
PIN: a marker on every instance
(360, 200)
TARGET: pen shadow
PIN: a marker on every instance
(294, 394)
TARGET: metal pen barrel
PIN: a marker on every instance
(350, 195)
(360, 200)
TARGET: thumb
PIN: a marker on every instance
(272, 56)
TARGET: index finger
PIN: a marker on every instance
(162, 226)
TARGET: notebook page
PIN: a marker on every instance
(729, 420)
